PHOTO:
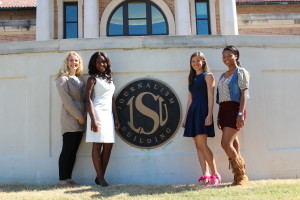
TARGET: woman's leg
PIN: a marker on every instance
(203, 164)
(105, 155)
(96, 156)
(77, 136)
(65, 155)
(236, 162)
(204, 150)
(236, 145)
(228, 137)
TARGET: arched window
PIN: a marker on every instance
(137, 18)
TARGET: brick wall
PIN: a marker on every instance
(264, 9)
(270, 31)
(171, 5)
(17, 25)
(55, 19)
(17, 37)
(102, 5)
(17, 14)
(218, 24)
(269, 19)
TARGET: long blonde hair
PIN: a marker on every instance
(64, 71)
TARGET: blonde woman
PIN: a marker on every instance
(71, 88)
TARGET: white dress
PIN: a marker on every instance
(102, 102)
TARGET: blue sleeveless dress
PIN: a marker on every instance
(195, 120)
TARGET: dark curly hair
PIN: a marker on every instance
(235, 51)
(93, 62)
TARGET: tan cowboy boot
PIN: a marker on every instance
(238, 169)
(234, 177)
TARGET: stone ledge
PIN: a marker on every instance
(160, 42)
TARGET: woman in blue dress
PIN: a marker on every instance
(198, 121)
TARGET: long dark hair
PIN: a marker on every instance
(205, 67)
(93, 62)
(235, 51)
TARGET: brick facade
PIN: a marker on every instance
(19, 37)
(267, 9)
(55, 20)
(270, 31)
(17, 25)
(171, 5)
(269, 19)
(17, 14)
(102, 5)
(252, 27)
(218, 23)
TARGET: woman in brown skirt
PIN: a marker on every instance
(232, 94)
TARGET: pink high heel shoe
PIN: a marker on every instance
(205, 179)
(215, 180)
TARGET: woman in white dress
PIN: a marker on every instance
(102, 119)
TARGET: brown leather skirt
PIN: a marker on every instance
(228, 113)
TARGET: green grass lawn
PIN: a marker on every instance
(263, 189)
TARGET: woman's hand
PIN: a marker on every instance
(94, 126)
(208, 121)
(240, 122)
(81, 120)
(117, 124)
(183, 124)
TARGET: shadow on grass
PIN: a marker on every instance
(138, 190)
(112, 190)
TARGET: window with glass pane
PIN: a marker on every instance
(202, 17)
(159, 25)
(137, 18)
(70, 20)
(116, 25)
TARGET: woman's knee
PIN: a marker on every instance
(225, 145)
(107, 147)
(97, 147)
(202, 147)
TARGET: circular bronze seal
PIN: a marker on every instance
(149, 113)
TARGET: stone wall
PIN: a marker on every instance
(30, 105)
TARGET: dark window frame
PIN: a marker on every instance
(65, 4)
(208, 16)
(126, 18)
